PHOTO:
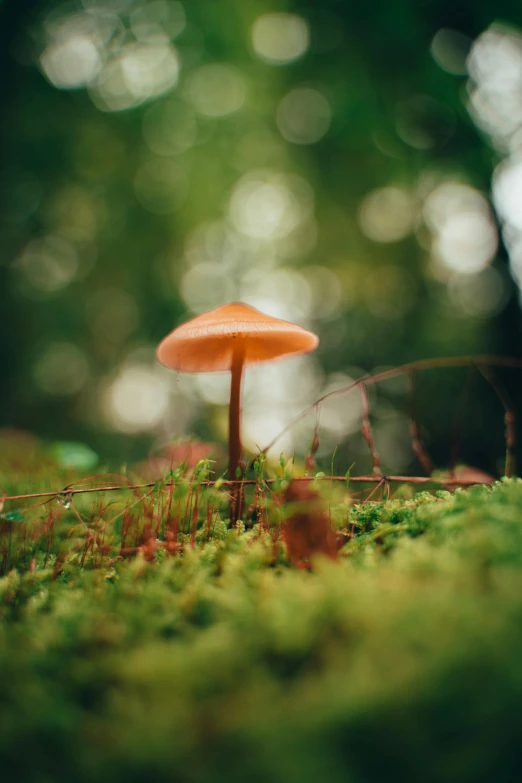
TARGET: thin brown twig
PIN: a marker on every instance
(79, 516)
(509, 419)
(367, 430)
(394, 372)
(375, 489)
(418, 448)
(251, 482)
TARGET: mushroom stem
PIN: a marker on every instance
(234, 432)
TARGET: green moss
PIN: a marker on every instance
(399, 661)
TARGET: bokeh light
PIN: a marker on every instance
(280, 38)
(76, 214)
(167, 16)
(387, 214)
(274, 394)
(136, 400)
(507, 192)
(268, 205)
(481, 295)
(61, 369)
(495, 69)
(282, 293)
(214, 387)
(304, 116)
(71, 63)
(206, 286)
(260, 427)
(514, 245)
(464, 235)
(141, 71)
(216, 89)
(325, 290)
(48, 265)
(92, 49)
(450, 49)
(217, 242)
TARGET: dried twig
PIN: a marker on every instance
(251, 482)
(367, 430)
(418, 448)
(509, 419)
(423, 364)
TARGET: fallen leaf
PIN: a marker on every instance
(307, 531)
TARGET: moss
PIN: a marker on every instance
(399, 661)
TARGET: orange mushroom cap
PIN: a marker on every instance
(207, 342)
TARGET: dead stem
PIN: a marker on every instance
(394, 372)
(367, 430)
(416, 442)
(509, 419)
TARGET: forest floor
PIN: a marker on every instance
(132, 650)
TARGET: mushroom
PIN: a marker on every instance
(229, 338)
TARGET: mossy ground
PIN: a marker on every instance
(399, 661)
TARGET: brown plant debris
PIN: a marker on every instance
(307, 531)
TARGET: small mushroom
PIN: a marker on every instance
(229, 338)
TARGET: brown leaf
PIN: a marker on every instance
(308, 530)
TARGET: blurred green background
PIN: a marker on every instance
(355, 169)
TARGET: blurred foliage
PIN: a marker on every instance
(102, 221)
